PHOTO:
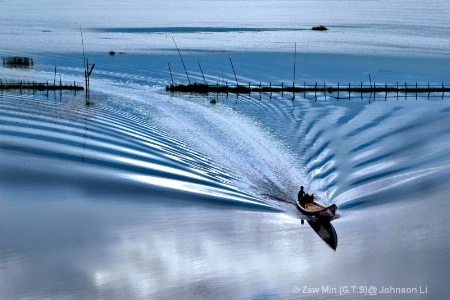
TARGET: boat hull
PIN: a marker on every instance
(318, 211)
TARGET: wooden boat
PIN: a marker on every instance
(311, 208)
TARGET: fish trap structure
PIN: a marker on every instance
(204, 88)
(39, 86)
(238, 88)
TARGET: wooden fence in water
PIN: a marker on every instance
(316, 88)
(40, 86)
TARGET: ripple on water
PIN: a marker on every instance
(112, 138)
(353, 150)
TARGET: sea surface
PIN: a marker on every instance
(147, 194)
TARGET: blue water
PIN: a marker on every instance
(146, 194)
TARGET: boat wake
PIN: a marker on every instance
(106, 147)
(258, 147)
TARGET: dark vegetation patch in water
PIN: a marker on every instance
(17, 62)
(319, 28)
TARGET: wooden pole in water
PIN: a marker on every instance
(349, 91)
(202, 73)
(416, 90)
(88, 81)
(361, 90)
(85, 83)
(237, 84)
(406, 91)
(386, 91)
(182, 61)
(85, 66)
(171, 77)
(260, 90)
(295, 57)
(89, 72)
(270, 89)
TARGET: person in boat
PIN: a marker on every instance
(304, 198)
(301, 195)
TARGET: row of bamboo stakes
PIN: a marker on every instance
(359, 88)
(316, 88)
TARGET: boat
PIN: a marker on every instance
(311, 208)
